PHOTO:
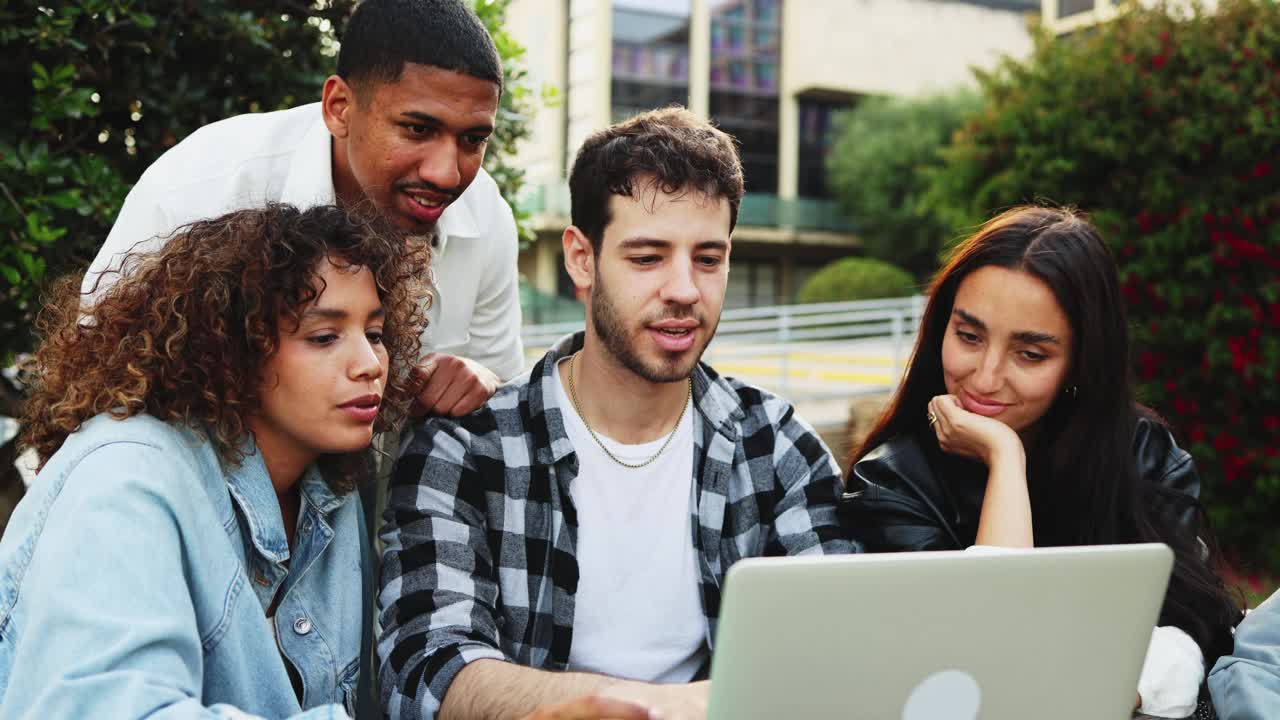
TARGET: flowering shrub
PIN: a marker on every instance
(1165, 127)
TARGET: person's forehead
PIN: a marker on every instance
(436, 85)
(1003, 296)
(680, 217)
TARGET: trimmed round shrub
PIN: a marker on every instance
(857, 278)
(1165, 127)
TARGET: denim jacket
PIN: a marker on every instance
(1246, 684)
(135, 577)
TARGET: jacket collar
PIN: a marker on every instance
(254, 495)
(713, 398)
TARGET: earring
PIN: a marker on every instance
(1073, 391)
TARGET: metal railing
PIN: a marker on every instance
(805, 349)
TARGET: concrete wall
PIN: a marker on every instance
(894, 47)
(541, 27)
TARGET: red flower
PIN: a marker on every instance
(1149, 364)
(1184, 407)
(1261, 169)
(1225, 442)
(1158, 62)
(1146, 222)
(1271, 422)
(1196, 434)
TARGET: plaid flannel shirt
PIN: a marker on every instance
(479, 559)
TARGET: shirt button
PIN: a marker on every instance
(302, 626)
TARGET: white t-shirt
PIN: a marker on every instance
(286, 156)
(637, 612)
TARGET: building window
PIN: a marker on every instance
(746, 36)
(817, 135)
(752, 283)
(1067, 8)
(650, 55)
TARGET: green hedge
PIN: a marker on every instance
(857, 278)
(877, 167)
(1166, 128)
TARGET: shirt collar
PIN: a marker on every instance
(310, 179)
(715, 400)
(310, 183)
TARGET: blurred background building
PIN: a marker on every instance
(1067, 16)
(770, 72)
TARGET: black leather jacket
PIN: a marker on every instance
(908, 495)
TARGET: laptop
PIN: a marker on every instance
(1046, 633)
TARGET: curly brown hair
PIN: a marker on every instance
(182, 330)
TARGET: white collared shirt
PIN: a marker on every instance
(286, 156)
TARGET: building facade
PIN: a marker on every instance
(1064, 17)
(773, 73)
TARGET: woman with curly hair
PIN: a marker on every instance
(192, 546)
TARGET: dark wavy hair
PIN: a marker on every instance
(1081, 473)
(182, 331)
(671, 148)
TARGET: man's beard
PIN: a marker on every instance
(611, 328)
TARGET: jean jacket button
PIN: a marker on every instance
(302, 626)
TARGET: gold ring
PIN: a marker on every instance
(932, 418)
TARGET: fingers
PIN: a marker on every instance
(453, 386)
(594, 707)
(945, 409)
(471, 401)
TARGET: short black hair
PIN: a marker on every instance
(383, 35)
(670, 147)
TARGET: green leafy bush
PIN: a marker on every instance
(857, 278)
(877, 169)
(1165, 126)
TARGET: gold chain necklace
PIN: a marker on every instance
(573, 395)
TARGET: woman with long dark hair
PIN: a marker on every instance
(1016, 425)
(192, 545)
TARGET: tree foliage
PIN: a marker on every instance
(96, 90)
(857, 278)
(1165, 126)
(878, 169)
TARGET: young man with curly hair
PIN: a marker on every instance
(572, 536)
(180, 553)
(402, 126)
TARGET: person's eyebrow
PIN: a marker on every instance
(644, 242)
(320, 313)
(1035, 337)
(969, 318)
(712, 245)
(1030, 337)
(435, 122)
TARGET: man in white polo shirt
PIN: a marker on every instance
(402, 126)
